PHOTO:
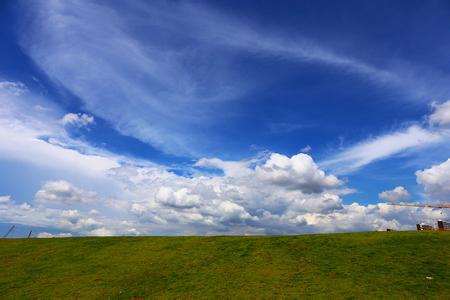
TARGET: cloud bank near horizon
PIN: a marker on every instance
(271, 194)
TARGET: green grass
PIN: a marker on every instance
(354, 265)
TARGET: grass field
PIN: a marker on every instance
(354, 265)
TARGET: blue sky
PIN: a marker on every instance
(205, 117)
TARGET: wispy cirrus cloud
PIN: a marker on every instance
(13, 87)
(412, 138)
(164, 88)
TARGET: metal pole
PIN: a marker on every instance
(9, 231)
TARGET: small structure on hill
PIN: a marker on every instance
(424, 227)
(441, 225)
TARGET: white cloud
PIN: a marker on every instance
(92, 50)
(73, 220)
(63, 192)
(155, 201)
(13, 88)
(102, 232)
(5, 200)
(37, 138)
(23, 143)
(436, 181)
(79, 120)
(50, 235)
(399, 193)
(382, 147)
(306, 149)
(274, 194)
(238, 205)
(136, 78)
(411, 139)
(179, 199)
(298, 172)
(441, 114)
(374, 217)
(61, 219)
(270, 204)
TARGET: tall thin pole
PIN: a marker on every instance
(9, 231)
(29, 234)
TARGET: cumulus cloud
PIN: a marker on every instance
(155, 201)
(5, 200)
(180, 198)
(251, 205)
(78, 120)
(399, 193)
(441, 114)
(374, 217)
(63, 219)
(259, 199)
(298, 173)
(51, 235)
(63, 192)
(278, 195)
(102, 231)
(436, 181)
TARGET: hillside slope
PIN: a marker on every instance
(361, 265)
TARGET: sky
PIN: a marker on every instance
(222, 117)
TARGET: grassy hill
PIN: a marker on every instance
(354, 265)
